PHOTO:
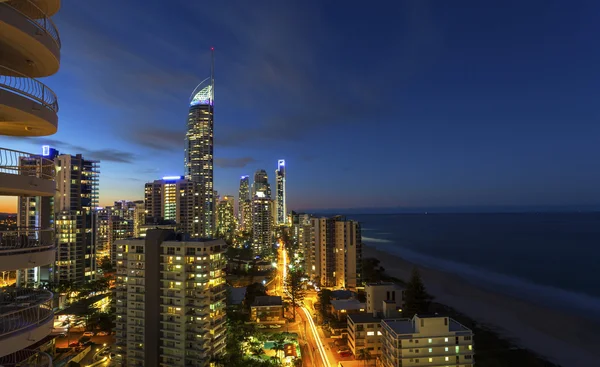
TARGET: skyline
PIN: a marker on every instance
(431, 105)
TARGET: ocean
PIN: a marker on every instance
(547, 258)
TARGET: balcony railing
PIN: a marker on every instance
(27, 87)
(26, 240)
(22, 309)
(36, 16)
(26, 164)
(26, 358)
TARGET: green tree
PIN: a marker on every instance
(298, 362)
(293, 285)
(364, 355)
(106, 265)
(324, 301)
(416, 298)
(279, 346)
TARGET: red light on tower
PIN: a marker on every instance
(212, 48)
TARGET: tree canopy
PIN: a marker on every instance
(416, 298)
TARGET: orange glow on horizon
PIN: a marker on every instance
(8, 204)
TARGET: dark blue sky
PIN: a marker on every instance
(372, 104)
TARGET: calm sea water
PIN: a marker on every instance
(551, 258)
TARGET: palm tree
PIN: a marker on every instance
(279, 345)
(364, 354)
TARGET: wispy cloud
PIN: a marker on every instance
(106, 155)
(233, 162)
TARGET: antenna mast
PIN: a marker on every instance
(212, 73)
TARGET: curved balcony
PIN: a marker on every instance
(24, 174)
(26, 358)
(26, 248)
(28, 38)
(26, 317)
(27, 106)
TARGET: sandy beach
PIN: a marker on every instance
(567, 339)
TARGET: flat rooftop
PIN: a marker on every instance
(407, 326)
(267, 301)
(347, 304)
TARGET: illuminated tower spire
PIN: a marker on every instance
(199, 149)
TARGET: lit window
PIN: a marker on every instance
(446, 340)
(446, 349)
(457, 348)
(446, 359)
(379, 333)
(470, 347)
(430, 350)
(370, 333)
(430, 359)
(429, 341)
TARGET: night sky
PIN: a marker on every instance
(408, 104)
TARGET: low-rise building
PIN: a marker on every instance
(426, 341)
(340, 308)
(364, 332)
(384, 295)
(267, 309)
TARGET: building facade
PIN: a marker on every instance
(226, 218)
(75, 199)
(262, 224)
(30, 48)
(364, 332)
(280, 204)
(381, 296)
(426, 341)
(336, 254)
(199, 143)
(175, 199)
(243, 196)
(170, 300)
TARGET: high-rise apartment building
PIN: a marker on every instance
(243, 195)
(75, 199)
(261, 187)
(262, 212)
(177, 200)
(336, 254)
(280, 199)
(199, 150)
(262, 223)
(247, 215)
(170, 300)
(114, 223)
(139, 217)
(301, 230)
(426, 341)
(30, 48)
(226, 217)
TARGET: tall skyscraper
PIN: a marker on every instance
(177, 200)
(280, 199)
(336, 252)
(261, 187)
(29, 48)
(170, 300)
(226, 218)
(244, 194)
(262, 212)
(199, 150)
(76, 197)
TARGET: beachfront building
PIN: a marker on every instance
(384, 295)
(342, 307)
(170, 300)
(336, 252)
(425, 341)
(364, 332)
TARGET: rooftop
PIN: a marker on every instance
(407, 326)
(341, 294)
(363, 318)
(347, 304)
(267, 301)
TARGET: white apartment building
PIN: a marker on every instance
(170, 300)
(364, 332)
(433, 341)
(384, 295)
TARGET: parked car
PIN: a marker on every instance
(88, 333)
(342, 350)
(73, 344)
(102, 333)
(346, 353)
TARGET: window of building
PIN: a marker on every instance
(470, 347)
(370, 333)
(467, 338)
(417, 341)
(429, 340)
(457, 349)
(468, 356)
(446, 349)
(446, 359)
(430, 360)
(430, 350)
(446, 340)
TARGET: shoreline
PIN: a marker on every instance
(563, 338)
